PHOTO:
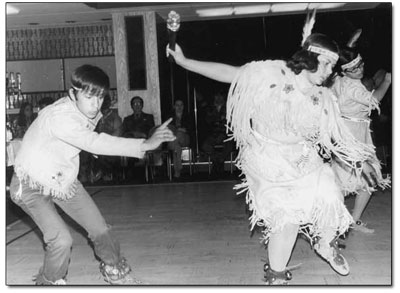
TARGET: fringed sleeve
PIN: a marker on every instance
(251, 86)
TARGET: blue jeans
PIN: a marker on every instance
(81, 208)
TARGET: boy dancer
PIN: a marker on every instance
(46, 170)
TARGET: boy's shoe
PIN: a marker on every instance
(276, 278)
(331, 253)
(118, 274)
(360, 226)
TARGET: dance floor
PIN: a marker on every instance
(198, 234)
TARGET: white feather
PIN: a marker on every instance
(308, 26)
(353, 40)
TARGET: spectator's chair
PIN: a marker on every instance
(186, 158)
(156, 158)
(232, 157)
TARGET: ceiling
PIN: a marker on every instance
(55, 14)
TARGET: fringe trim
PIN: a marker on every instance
(353, 184)
(334, 216)
(373, 104)
(56, 194)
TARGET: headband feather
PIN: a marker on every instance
(308, 26)
(353, 40)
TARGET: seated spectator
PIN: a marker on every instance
(214, 144)
(181, 128)
(138, 124)
(111, 124)
(24, 119)
(43, 102)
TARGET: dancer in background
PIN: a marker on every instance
(356, 102)
(46, 169)
(282, 120)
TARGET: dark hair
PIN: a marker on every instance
(304, 59)
(136, 98)
(21, 116)
(173, 106)
(43, 102)
(346, 55)
(179, 101)
(91, 79)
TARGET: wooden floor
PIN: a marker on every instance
(198, 234)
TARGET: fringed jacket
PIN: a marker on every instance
(49, 154)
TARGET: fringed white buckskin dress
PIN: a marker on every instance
(280, 132)
(356, 103)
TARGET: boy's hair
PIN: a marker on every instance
(307, 60)
(90, 79)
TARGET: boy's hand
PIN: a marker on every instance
(160, 135)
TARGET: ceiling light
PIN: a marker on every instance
(288, 7)
(265, 8)
(11, 9)
(214, 11)
(325, 5)
(252, 9)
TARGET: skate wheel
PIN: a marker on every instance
(266, 267)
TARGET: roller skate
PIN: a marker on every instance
(40, 280)
(276, 278)
(117, 274)
(331, 253)
(360, 226)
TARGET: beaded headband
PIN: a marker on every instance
(352, 63)
(324, 52)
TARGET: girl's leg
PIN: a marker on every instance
(56, 234)
(280, 246)
(361, 202)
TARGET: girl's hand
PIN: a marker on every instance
(177, 54)
(388, 77)
(369, 174)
